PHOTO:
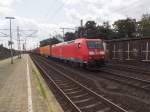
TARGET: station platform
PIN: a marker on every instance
(22, 88)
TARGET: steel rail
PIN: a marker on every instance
(119, 81)
(131, 68)
(106, 101)
(147, 83)
(50, 78)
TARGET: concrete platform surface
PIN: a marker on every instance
(22, 89)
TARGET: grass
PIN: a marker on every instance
(41, 90)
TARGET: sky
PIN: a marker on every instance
(48, 16)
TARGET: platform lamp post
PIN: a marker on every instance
(10, 18)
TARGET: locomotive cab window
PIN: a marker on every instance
(95, 44)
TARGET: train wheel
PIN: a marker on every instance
(83, 65)
(76, 64)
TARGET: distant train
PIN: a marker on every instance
(80, 52)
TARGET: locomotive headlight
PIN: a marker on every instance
(91, 52)
(102, 53)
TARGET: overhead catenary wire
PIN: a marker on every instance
(53, 15)
(22, 34)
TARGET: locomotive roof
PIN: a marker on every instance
(76, 41)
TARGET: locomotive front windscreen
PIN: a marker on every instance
(95, 44)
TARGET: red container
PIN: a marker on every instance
(45, 51)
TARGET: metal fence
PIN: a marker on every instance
(136, 49)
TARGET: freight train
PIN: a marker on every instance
(80, 52)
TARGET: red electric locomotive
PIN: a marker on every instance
(83, 52)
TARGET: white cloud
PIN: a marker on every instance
(71, 2)
(6, 7)
(6, 3)
(5, 11)
(105, 10)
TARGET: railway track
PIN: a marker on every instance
(79, 97)
(132, 68)
(126, 79)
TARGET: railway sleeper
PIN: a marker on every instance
(84, 100)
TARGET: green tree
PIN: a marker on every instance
(125, 28)
(69, 36)
(90, 29)
(93, 31)
(54, 40)
(105, 31)
(79, 32)
(144, 25)
(49, 41)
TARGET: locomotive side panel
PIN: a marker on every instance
(55, 51)
(69, 51)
